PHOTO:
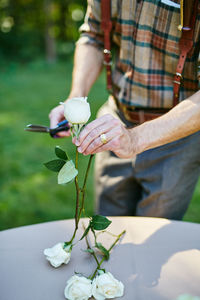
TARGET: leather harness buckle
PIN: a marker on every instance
(107, 63)
(178, 75)
(175, 81)
(107, 53)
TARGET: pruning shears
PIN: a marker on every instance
(62, 126)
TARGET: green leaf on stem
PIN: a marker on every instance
(55, 165)
(67, 173)
(103, 250)
(86, 232)
(61, 153)
(89, 251)
(67, 244)
(99, 222)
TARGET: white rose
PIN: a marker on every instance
(187, 297)
(105, 286)
(57, 255)
(77, 110)
(78, 288)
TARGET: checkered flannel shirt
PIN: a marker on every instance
(146, 37)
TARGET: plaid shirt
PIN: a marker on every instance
(146, 37)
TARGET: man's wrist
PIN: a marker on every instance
(137, 140)
(77, 93)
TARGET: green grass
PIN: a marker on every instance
(29, 192)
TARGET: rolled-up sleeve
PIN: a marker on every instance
(90, 31)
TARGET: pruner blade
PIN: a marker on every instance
(62, 126)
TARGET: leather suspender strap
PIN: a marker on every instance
(185, 45)
(106, 26)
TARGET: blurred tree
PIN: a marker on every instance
(49, 34)
(35, 28)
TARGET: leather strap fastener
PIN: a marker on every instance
(106, 26)
(185, 45)
(107, 57)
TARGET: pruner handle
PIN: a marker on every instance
(62, 126)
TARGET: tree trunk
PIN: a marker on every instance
(50, 43)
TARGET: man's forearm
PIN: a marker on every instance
(87, 66)
(179, 122)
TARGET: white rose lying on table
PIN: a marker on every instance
(58, 254)
(105, 286)
(78, 287)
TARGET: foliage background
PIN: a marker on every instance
(39, 28)
(37, 39)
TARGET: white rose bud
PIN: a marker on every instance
(105, 286)
(77, 110)
(58, 255)
(78, 288)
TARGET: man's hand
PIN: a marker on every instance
(57, 115)
(179, 122)
(118, 137)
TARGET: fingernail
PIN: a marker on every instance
(77, 143)
(79, 149)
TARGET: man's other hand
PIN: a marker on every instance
(57, 115)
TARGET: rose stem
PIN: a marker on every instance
(100, 263)
(77, 199)
(89, 247)
(84, 186)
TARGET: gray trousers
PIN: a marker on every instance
(156, 183)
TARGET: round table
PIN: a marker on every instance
(157, 259)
